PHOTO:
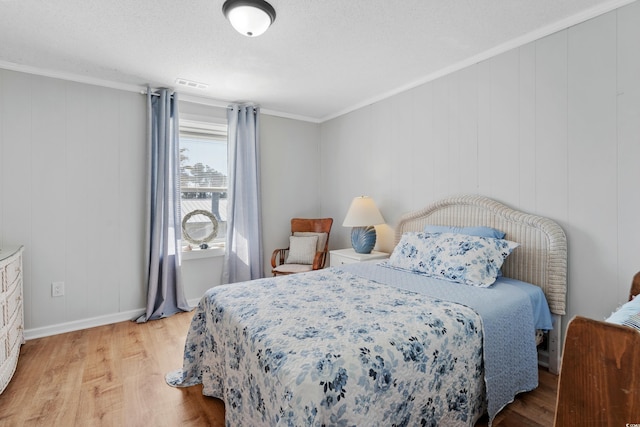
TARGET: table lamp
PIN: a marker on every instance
(362, 215)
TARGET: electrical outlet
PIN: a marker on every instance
(57, 289)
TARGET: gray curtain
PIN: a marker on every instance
(165, 294)
(243, 259)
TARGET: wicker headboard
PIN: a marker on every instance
(540, 259)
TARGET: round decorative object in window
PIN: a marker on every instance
(202, 231)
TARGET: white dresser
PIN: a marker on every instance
(12, 317)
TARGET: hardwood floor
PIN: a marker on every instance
(114, 376)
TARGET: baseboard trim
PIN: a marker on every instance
(77, 325)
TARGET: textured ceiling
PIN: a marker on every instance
(319, 59)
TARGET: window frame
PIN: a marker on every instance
(208, 131)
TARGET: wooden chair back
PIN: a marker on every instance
(599, 381)
(635, 286)
(319, 225)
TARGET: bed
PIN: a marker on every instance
(599, 383)
(381, 344)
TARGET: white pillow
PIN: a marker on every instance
(471, 260)
(322, 238)
(302, 249)
(628, 314)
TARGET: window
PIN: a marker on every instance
(203, 177)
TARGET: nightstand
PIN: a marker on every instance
(349, 256)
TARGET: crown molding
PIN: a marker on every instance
(69, 76)
(511, 44)
(12, 66)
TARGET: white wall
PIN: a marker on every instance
(72, 161)
(290, 174)
(552, 128)
(72, 188)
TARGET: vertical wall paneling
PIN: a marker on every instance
(592, 163)
(338, 156)
(553, 135)
(290, 177)
(455, 120)
(440, 148)
(72, 197)
(49, 195)
(358, 170)
(79, 223)
(485, 138)
(551, 126)
(527, 127)
(384, 139)
(628, 96)
(465, 123)
(132, 153)
(422, 160)
(16, 173)
(103, 200)
(504, 120)
(331, 180)
(404, 139)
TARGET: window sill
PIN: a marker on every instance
(216, 251)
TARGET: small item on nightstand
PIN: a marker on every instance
(187, 248)
(204, 246)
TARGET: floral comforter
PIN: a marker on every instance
(333, 348)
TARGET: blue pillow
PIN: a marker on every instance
(469, 231)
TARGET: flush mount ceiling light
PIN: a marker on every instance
(249, 17)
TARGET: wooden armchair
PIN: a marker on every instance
(599, 381)
(308, 247)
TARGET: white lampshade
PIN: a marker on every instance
(363, 212)
(249, 17)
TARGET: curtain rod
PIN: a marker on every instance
(229, 107)
(249, 105)
(153, 93)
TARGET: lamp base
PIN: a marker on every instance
(363, 239)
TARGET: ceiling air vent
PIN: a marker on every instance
(191, 84)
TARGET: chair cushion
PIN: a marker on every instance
(322, 238)
(302, 249)
(293, 268)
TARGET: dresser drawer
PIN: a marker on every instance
(4, 320)
(13, 271)
(15, 334)
(336, 259)
(4, 350)
(11, 312)
(14, 299)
